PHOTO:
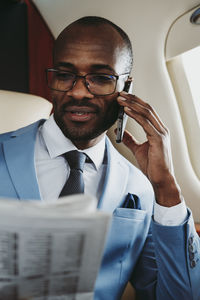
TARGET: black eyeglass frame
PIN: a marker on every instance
(84, 77)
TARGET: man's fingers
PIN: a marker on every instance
(146, 105)
(146, 124)
(143, 113)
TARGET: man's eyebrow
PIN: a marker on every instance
(65, 64)
(94, 67)
(102, 66)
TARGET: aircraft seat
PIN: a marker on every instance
(18, 110)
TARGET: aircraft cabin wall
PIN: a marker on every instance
(148, 24)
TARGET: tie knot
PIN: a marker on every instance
(75, 159)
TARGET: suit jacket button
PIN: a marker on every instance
(191, 255)
(192, 263)
(191, 248)
(190, 240)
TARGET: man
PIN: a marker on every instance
(159, 255)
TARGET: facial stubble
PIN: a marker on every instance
(77, 131)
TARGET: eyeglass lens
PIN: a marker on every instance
(99, 84)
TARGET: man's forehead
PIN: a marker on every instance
(103, 44)
(97, 36)
(90, 47)
(88, 55)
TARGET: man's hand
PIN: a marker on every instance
(154, 155)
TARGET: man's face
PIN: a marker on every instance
(81, 115)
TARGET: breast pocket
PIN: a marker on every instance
(127, 228)
(124, 243)
(127, 213)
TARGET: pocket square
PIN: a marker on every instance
(132, 201)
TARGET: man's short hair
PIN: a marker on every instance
(95, 21)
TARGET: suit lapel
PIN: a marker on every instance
(19, 156)
(115, 181)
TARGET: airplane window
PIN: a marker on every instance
(191, 62)
(182, 54)
(184, 72)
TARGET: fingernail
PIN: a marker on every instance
(122, 98)
(127, 109)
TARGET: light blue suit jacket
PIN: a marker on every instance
(161, 262)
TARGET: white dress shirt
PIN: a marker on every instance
(52, 171)
(52, 168)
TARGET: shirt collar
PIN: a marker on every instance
(57, 143)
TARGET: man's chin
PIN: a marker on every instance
(85, 131)
(81, 134)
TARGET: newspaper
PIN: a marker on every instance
(50, 251)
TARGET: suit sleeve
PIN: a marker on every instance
(169, 265)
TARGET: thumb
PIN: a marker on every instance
(130, 141)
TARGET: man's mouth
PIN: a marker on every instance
(80, 114)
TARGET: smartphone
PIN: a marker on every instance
(122, 117)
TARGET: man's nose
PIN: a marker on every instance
(79, 90)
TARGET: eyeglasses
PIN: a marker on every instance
(97, 83)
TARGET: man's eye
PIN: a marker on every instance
(64, 76)
(102, 79)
